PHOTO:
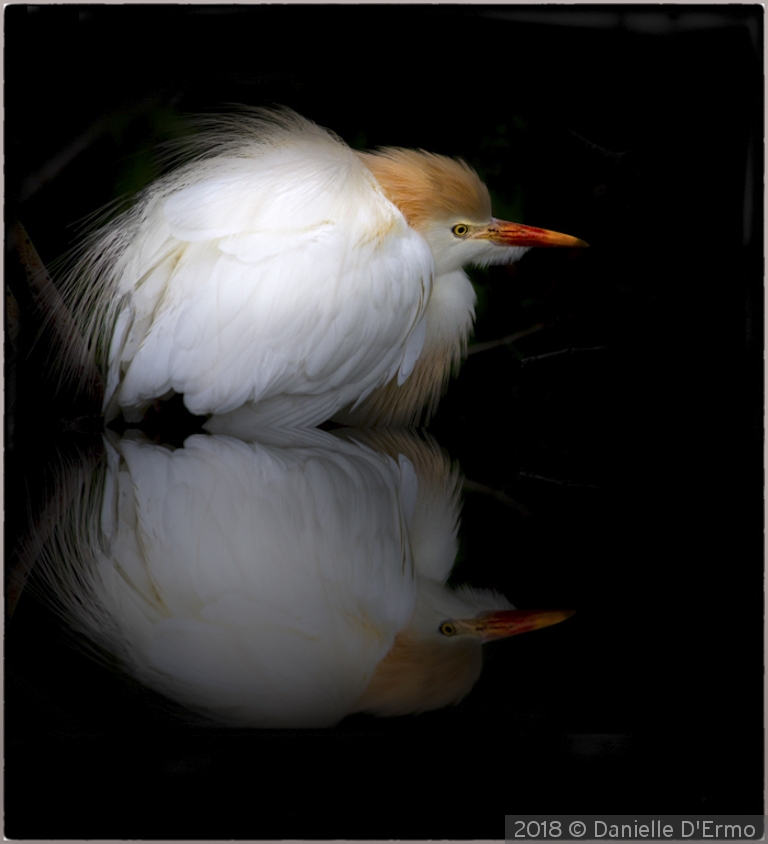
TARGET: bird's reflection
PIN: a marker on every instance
(284, 582)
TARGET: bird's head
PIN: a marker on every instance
(437, 659)
(446, 202)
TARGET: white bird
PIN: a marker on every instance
(280, 584)
(281, 273)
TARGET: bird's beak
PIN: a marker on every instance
(515, 234)
(499, 625)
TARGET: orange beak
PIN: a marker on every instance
(515, 234)
(500, 625)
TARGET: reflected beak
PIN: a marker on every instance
(500, 625)
(515, 234)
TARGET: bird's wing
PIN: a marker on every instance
(259, 583)
(431, 493)
(280, 275)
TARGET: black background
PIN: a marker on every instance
(630, 462)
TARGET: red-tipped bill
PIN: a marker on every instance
(499, 625)
(515, 234)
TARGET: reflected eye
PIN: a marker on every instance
(447, 628)
(460, 230)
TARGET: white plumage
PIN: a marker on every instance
(282, 275)
(282, 583)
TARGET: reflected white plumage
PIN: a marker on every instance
(282, 276)
(280, 584)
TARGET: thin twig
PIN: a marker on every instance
(570, 350)
(51, 169)
(509, 339)
(525, 332)
(66, 489)
(67, 339)
(537, 477)
(498, 495)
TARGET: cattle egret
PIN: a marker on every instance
(279, 584)
(281, 273)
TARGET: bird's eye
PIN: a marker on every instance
(447, 628)
(460, 230)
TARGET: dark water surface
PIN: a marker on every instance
(612, 456)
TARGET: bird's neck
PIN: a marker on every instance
(421, 673)
(450, 313)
